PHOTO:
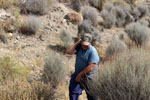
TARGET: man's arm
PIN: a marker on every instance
(85, 71)
(71, 49)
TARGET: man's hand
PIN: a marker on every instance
(79, 77)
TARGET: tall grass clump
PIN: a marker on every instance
(31, 25)
(87, 27)
(115, 47)
(66, 38)
(138, 33)
(126, 78)
(11, 68)
(34, 6)
(109, 18)
(91, 14)
(54, 69)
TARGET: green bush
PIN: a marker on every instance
(66, 38)
(10, 68)
(55, 69)
(31, 26)
(138, 33)
(126, 78)
(115, 47)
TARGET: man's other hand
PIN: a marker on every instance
(79, 77)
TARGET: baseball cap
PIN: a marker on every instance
(86, 39)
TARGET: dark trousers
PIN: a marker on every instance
(75, 90)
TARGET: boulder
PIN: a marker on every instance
(74, 17)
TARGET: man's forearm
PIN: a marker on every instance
(87, 69)
(71, 49)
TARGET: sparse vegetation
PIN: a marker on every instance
(126, 78)
(138, 33)
(55, 69)
(31, 26)
(91, 14)
(115, 47)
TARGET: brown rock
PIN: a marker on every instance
(74, 17)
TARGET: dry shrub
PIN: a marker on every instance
(115, 47)
(138, 33)
(31, 25)
(97, 3)
(54, 69)
(90, 14)
(143, 9)
(66, 38)
(38, 7)
(126, 78)
(109, 18)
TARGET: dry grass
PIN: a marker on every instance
(21, 89)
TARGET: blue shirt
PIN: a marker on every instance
(84, 57)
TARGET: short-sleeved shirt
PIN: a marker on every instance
(83, 57)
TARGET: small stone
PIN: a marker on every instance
(41, 38)
(10, 34)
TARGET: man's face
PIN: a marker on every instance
(85, 47)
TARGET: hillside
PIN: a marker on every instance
(31, 34)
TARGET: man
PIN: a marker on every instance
(87, 60)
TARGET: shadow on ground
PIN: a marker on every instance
(57, 48)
